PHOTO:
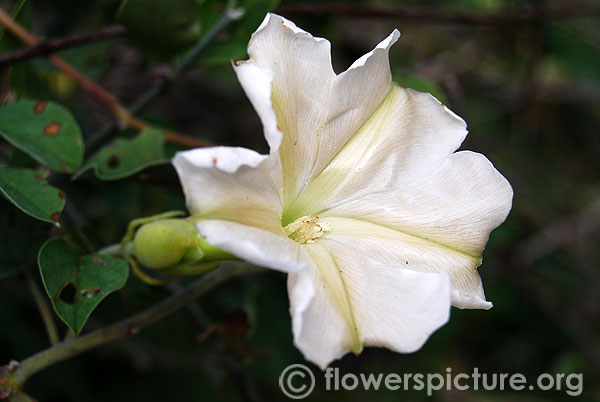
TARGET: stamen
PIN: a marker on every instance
(306, 230)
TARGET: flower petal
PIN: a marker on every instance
(358, 301)
(398, 171)
(393, 247)
(255, 245)
(235, 196)
(316, 110)
(256, 82)
(234, 184)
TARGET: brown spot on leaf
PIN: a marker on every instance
(99, 260)
(39, 107)
(62, 194)
(64, 166)
(39, 176)
(90, 292)
(113, 161)
(52, 129)
(55, 216)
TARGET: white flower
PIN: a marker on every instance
(362, 199)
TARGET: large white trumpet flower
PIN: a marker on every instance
(362, 198)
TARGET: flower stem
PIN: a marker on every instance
(113, 249)
(130, 326)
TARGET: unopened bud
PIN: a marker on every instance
(166, 243)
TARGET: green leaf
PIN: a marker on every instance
(125, 157)
(76, 285)
(46, 131)
(29, 191)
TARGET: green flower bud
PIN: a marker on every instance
(171, 246)
(168, 242)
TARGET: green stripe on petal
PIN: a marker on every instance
(333, 276)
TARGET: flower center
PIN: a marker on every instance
(306, 230)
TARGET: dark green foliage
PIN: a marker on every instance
(77, 284)
(125, 157)
(29, 190)
(46, 131)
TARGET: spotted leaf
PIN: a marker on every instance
(29, 191)
(125, 157)
(76, 285)
(45, 131)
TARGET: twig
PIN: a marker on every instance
(44, 309)
(95, 90)
(130, 326)
(424, 14)
(165, 82)
(46, 47)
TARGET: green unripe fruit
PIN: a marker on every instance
(166, 243)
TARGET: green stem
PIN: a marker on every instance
(113, 249)
(44, 309)
(130, 326)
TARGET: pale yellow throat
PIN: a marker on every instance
(306, 229)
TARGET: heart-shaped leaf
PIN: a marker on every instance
(125, 157)
(29, 190)
(44, 130)
(76, 285)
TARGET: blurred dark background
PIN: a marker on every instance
(525, 75)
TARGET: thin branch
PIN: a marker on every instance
(428, 15)
(45, 310)
(130, 326)
(46, 47)
(95, 90)
(165, 82)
